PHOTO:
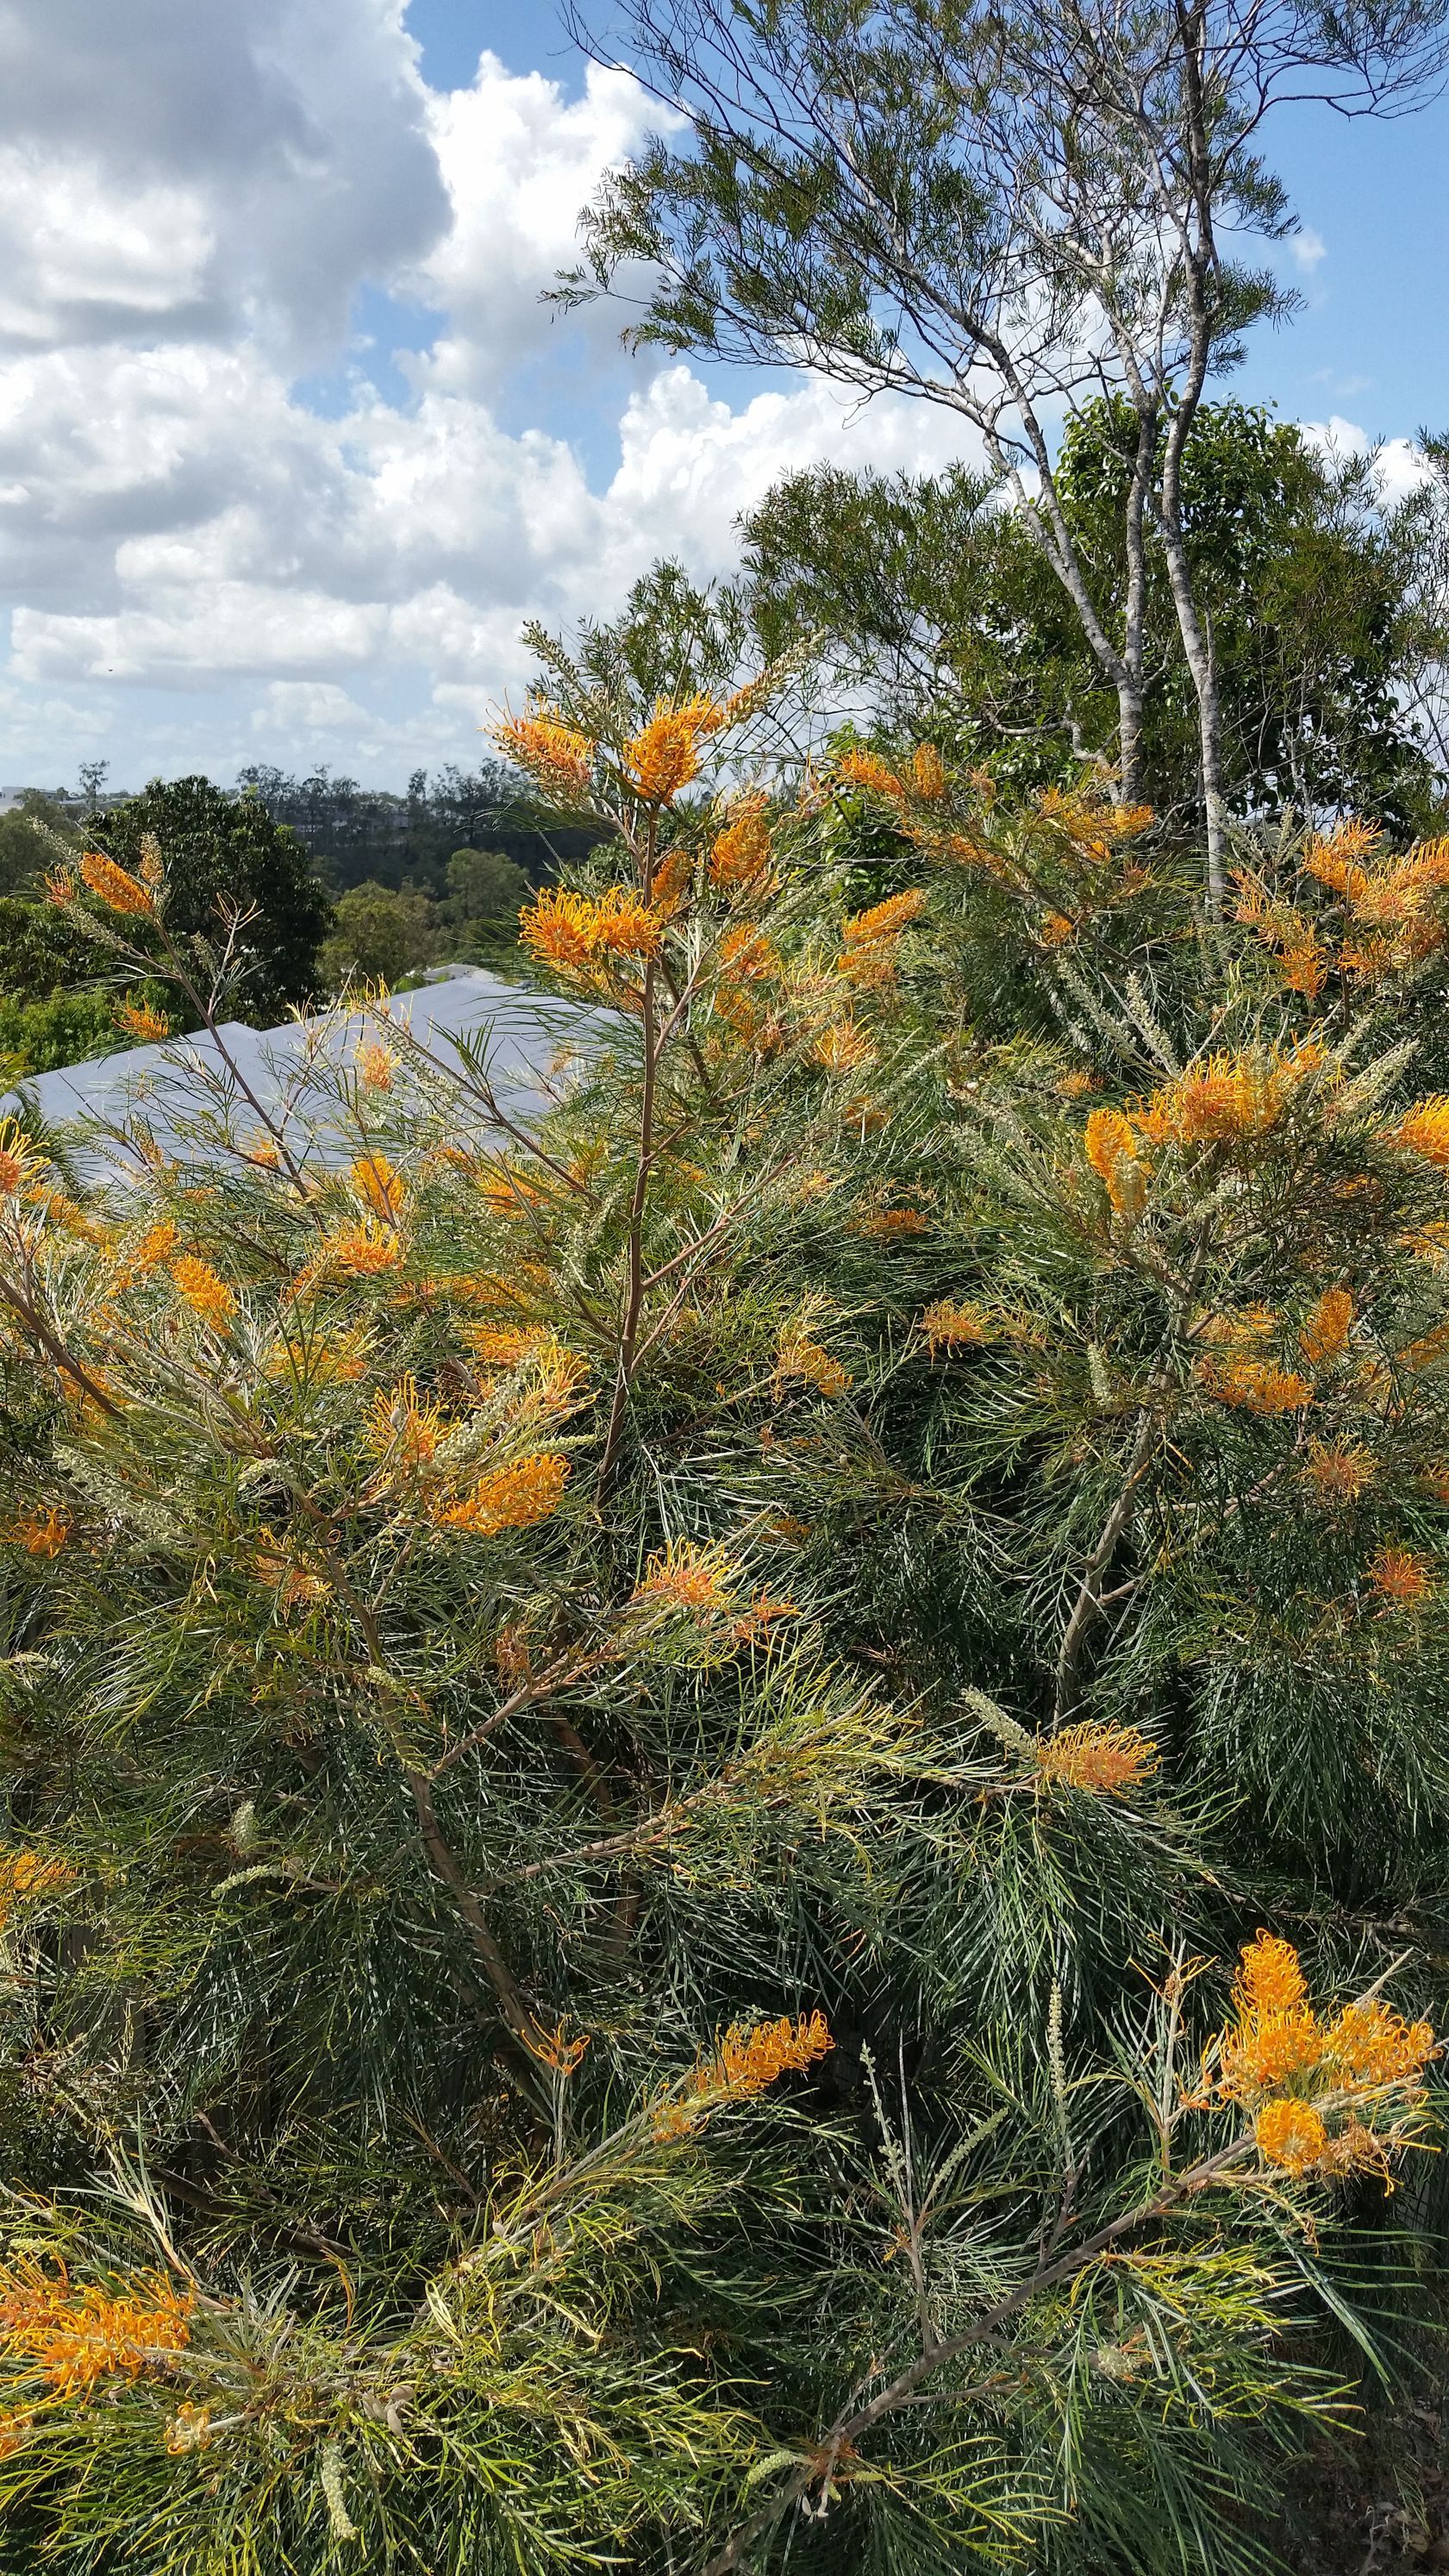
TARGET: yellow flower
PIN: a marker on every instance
(806, 1359)
(1290, 2135)
(928, 774)
(1102, 1760)
(361, 1250)
(199, 1286)
(403, 1427)
(951, 1324)
(664, 756)
(72, 2338)
(511, 1497)
(687, 1577)
(1325, 1334)
(1368, 2045)
(1270, 1977)
(27, 1877)
(140, 1020)
(121, 892)
(843, 1049)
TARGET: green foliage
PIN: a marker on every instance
(377, 936)
(226, 853)
(33, 836)
(486, 893)
(62, 1029)
(930, 591)
(639, 1742)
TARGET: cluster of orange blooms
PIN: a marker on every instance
(141, 1020)
(72, 2338)
(581, 935)
(1101, 1760)
(1424, 1130)
(41, 1533)
(807, 1361)
(1220, 1099)
(1297, 2074)
(746, 2064)
(513, 1497)
(739, 859)
(556, 754)
(203, 1290)
(1402, 1577)
(869, 939)
(685, 1576)
(115, 887)
(949, 1323)
(1393, 920)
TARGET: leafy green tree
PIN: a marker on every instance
(486, 893)
(225, 854)
(378, 935)
(933, 595)
(34, 836)
(997, 211)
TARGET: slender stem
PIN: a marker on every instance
(634, 1290)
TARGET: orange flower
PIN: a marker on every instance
(381, 1189)
(883, 920)
(664, 756)
(18, 1159)
(512, 1497)
(376, 1064)
(140, 1020)
(1369, 2045)
(746, 956)
(402, 1426)
(843, 1049)
(1224, 1099)
(886, 1224)
(1290, 2135)
(1111, 1149)
(75, 2337)
(363, 1250)
(747, 2062)
(687, 1577)
(1325, 1334)
(863, 769)
(950, 1324)
(928, 773)
(578, 934)
(504, 1345)
(41, 1535)
(27, 1877)
(550, 750)
(1340, 1474)
(1102, 1760)
(1424, 1130)
(199, 1286)
(1256, 1386)
(742, 852)
(123, 893)
(807, 1360)
(1401, 1577)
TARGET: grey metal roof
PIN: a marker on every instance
(169, 1087)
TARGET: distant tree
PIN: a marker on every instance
(931, 595)
(486, 892)
(1003, 211)
(224, 852)
(32, 837)
(378, 935)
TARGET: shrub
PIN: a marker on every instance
(649, 1755)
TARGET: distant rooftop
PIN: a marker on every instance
(291, 1071)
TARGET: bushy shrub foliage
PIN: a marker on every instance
(727, 1816)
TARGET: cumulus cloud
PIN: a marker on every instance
(205, 564)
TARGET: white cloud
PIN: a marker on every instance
(1308, 248)
(1401, 468)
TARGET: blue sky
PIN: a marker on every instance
(288, 446)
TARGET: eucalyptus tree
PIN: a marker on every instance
(1006, 209)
